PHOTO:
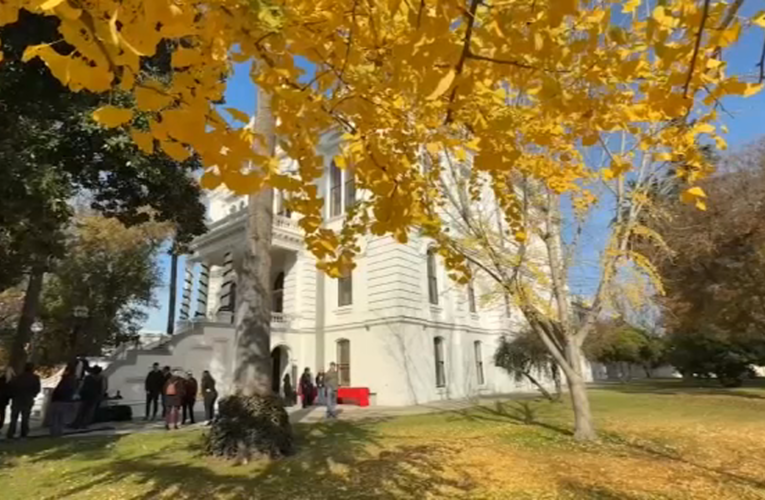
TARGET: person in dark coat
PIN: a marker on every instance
(209, 394)
(189, 398)
(174, 393)
(24, 390)
(90, 396)
(153, 385)
(320, 392)
(6, 376)
(61, 401)
(287, 386)
(306, 388)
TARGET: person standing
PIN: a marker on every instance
(287, 388)
(90, 396)
(210, 395)
(166, 374)
(190, 398)
(320, 389)
(174, 394)
(331, 383)
(306, 388)
(24, 390)
(5, 392)
(61, 400)
(153, 385)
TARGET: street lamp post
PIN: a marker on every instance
(79, 313)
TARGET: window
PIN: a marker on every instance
(278, 295)
(335, 194)
(350, 189)
(432, 280)
(344, 362)
(471, 296)
(478, 362)
(438, 348)
(345, 289)
(281, 204)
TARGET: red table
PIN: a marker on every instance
(358, 395)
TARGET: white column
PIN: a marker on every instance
(204, 284)
(228, 281)
(188, 279)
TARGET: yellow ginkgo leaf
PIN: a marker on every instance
(443, 85)
(752, 88)
(694, 195)
(238, 115)
(630, 5)
(144, 140)
(759, 19)
(112, 116)
(150, 99)
(51, 4)
(340, 162)
(210, 180)
(175, 150)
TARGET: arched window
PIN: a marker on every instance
(278, 294)
(471, 296)
(438, 351)
(478, 354)
(335, 191)
(345, 289)
(432, 279)
(344, 362)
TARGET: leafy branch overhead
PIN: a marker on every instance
(518, 87)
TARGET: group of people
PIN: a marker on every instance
(178, 392)
(74, 401)
(321, 390)
(20, 392)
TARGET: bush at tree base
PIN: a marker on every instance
(250, 425)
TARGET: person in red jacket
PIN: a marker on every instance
(174, 392)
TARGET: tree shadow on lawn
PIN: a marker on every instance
(655, 451)
(513, 412)
(53, 449)
(336, 459)
(673, 387)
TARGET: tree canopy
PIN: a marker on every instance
(518, 87)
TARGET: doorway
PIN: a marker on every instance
(279, 365)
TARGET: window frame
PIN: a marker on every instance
(345, 297)
(432, 271)
(439, 358)
(335, 190)
(343, 346)
(478, 359)
(278, 293)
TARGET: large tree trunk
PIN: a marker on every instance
(254, 421)
(584, 429)
(173, 287)
(27, 318)
(253, 350)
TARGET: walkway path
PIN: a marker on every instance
(297, 415)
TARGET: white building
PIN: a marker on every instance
(397, 325)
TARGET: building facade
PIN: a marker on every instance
(396, 324)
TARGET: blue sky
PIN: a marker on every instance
(745, 126)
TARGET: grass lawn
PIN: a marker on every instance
(659, 440)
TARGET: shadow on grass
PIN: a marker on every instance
(673, 387)
(655, 451)
(43, 449)
(334, 460)
(589, 491)
(513, 412)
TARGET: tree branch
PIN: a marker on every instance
(704, 16)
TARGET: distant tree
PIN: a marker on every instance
(714, 276)
(109, 268)
(52, 152)
(525, 356)
(616, 342)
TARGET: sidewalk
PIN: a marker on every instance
(297, 414)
